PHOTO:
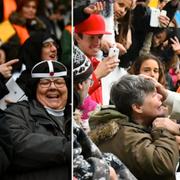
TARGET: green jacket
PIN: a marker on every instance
(148, 153)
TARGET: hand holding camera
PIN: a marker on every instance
(108, 64)
(114, 52)
(155, 17)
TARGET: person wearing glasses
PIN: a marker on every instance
(40, 128)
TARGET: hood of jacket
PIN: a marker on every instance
(16, 18)
(105, 123)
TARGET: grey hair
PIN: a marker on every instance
(130, 89)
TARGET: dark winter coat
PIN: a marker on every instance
(5, 145)
(3, 88)
(42, 146)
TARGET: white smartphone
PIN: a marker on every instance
(154, 19)
(114, 52)
(163, 12)
(15, 93)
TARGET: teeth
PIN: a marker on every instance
(52, 96)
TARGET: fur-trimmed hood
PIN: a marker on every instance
(17, 19)
(105, 123)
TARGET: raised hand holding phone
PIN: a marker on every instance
(114, 52)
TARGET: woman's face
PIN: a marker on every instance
(121, 7)
(159, 39)
(29, 10)
(150, 68)
(52, 92)
(162, 4)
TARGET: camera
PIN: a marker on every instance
(113, 52)
(154, 19)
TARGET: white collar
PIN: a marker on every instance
(54, 112)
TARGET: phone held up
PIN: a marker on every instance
(154, 19)
(114, 52)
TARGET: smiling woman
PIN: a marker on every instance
(40, 127)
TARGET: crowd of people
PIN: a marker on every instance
(126, 102)
(35, 129)
(93, 97)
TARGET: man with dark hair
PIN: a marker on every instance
(88, 36)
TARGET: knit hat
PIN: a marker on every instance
(82, 67)
(93, 25)
(48, 69)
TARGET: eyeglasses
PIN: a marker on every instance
(46, 83)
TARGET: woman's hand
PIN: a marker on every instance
(164, 21)
(175, 45)
(95, 8)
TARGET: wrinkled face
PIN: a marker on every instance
(150, 68)
(121, 7)
(49, 51)
(52, 92)
(152, 107)
(29, 10)
(159, 39)
(89, 44)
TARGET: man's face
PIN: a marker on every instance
(52, 92)
(89, 44)
(49, 51)
(152, 107)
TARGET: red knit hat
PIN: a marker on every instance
(93, 25)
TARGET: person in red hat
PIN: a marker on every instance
(88, 36)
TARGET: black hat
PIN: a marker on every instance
(82, 67)
(30, 52)
(47, 69)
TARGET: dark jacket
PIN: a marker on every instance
(42, 146)
(90, 163)
(148, 153)
(13, 46)
(3, 88)
(5, 145)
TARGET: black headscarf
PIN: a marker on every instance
(30, 52)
